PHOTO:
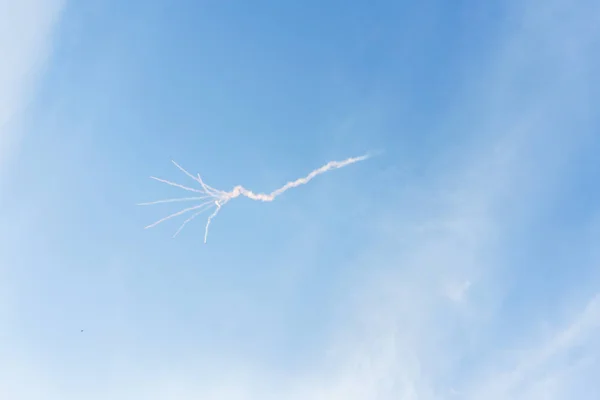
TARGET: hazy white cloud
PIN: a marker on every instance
(547, 369)
(457, 291)
(26, 28)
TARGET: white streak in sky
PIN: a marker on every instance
(219, 198)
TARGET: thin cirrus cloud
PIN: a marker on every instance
(26, 29)
(26, 33)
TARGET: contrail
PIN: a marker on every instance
(217, 198)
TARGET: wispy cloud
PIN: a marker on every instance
(545, 371)
(26, 29)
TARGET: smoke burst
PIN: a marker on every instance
(213, 198)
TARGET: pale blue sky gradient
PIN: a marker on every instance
(459, 263)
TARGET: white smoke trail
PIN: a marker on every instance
(219, 198)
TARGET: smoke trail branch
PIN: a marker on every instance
(217, 198)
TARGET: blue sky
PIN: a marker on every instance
(461, 262)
